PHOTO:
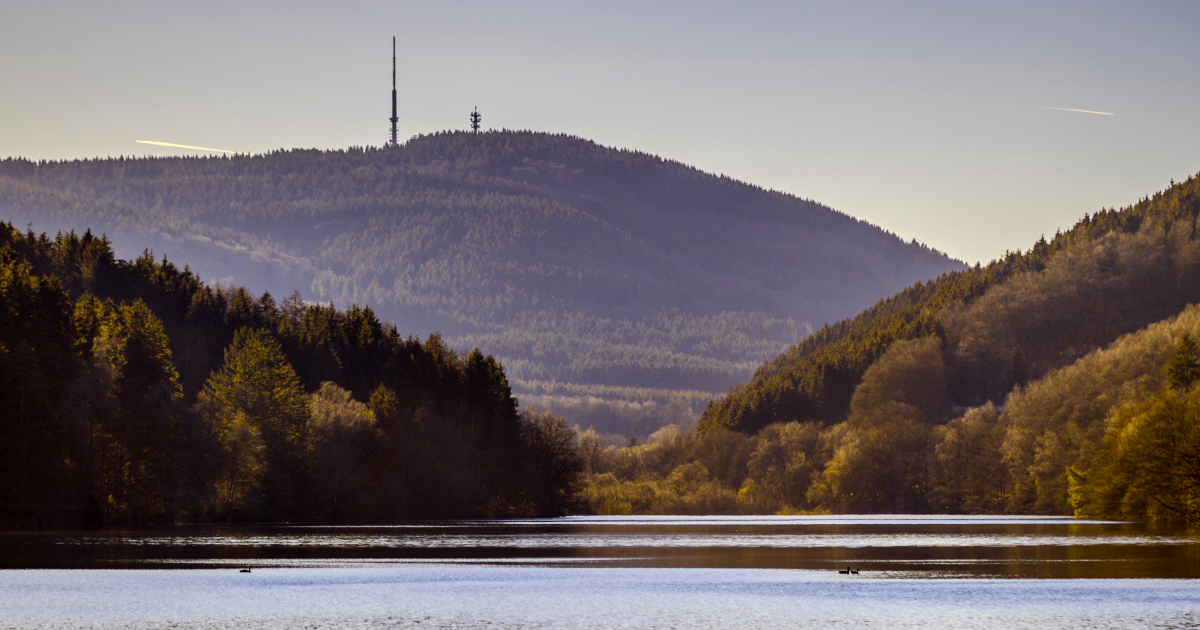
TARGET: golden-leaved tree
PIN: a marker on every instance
(968, 474)
(880, 455)
(344, 431)
(1148, 463)
(259, 415)
(781, 467)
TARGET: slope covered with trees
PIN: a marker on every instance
(130, 392)
(576, 264)
(1063, 380)
(1115, 434)
(999, 325)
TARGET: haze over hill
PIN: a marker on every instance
(589, 271)
(1058, 380)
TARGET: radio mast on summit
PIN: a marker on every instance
(475, 118)
(393, 118)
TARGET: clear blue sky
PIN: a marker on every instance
(923, 118)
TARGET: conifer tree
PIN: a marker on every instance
(1018, 370)
(137, 438)
(1184, 369)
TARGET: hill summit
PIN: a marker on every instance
(588, 270)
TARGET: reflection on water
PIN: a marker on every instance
(878, 546)
(585, 573)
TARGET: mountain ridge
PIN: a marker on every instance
(498, 238)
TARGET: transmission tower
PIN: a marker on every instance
(475, 118)
(393, 118)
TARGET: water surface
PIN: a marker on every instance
(712, 572)
(891, 546)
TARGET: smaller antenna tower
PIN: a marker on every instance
(394, 118)
(475, 118)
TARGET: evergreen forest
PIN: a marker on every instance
(131, 392)
(619, 287)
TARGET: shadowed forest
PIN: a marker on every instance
(1060, 380)
(612, 280)
(131, 393)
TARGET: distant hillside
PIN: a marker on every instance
(998, 326)
(594, 274)
(1062, 380)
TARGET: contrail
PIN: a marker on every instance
(1083, 111)
(184, 146)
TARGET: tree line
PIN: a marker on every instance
(1114, 435)
(650, 272)
(131, 392)
(1057, 381)
(1002, 324)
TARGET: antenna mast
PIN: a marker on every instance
(393, 118)
(475, 118)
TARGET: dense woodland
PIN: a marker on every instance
(1113, 435)
(573, 263)
(130, 392)
(1000, 325)
(1062, 380)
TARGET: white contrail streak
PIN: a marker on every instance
(184, 146)
(1082, 111)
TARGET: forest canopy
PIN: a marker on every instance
(131, 392)
(1113, 435)
(575, 264)
(999, 325)
(1063, 380)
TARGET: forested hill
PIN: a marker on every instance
(997, 327)
(585, 269)
(130, 392)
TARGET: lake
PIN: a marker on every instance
(603, 572)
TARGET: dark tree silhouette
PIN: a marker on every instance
(1184, 369)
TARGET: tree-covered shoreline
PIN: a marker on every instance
(1054, 381)
(1057, 381)
(130, 392)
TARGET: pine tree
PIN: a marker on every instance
(138, 434)
(1018, 370)
(1184, 369)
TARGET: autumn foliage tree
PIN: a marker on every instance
(1148, 465)
(343, 431)
(260, 417)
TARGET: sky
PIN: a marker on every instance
(929, 119)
